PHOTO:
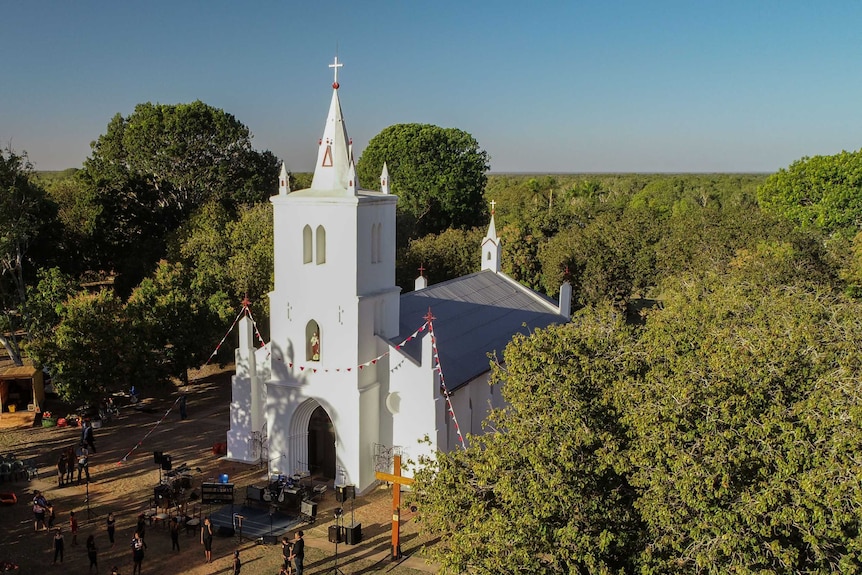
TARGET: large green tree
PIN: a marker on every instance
(26, 218)
(439, 175)
(544, 491)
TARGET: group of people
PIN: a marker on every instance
(293, 552)
(77, 457)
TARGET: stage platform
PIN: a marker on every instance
(257, 521)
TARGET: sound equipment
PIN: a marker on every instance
(158, 457)
(186, 481)
(225, 531)
(335, 534)
(308, 509)
(270, 539)
(162, 495)
(166, 463)
(353, 533)
(254, 493)
(216, 493)
(345, 492)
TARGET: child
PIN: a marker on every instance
(92, 553)
(73, 525)
(237, 564)
(175, 534)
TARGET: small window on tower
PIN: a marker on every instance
(321, 245)
(306, 245)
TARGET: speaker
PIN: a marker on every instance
(225, 531)
(308, 508)
(334, 534)
(158, 457)
(254, 493)
(345, 492)
(270, 539)
(353, 533)
(166, 463)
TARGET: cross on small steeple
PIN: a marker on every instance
(246, 302)
(428, 316)
(422, 270)
(493, 203)
(336, 66)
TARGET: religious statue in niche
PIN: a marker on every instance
(315, 347)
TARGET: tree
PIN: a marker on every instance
(448, 255)
(744, 437)
(439, 175)
(824, 192)
(175, 326)
(545, 490)
(26, 217)
(93, 350)
(152, 169)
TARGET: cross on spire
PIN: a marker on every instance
(493, 203)
(422, 269)
(335, 65)
(428, 316)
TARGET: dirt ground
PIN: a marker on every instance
(126, 488)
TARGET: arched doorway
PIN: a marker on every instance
(321, 444)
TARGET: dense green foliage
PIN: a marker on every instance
(824, 192)
(438, 174)
(27, 216)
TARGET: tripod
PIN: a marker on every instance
(339, 522)
(90, 514)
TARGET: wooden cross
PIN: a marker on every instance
(397, 481)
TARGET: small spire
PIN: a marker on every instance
(283, 181)
(384, 179)
(352, 183)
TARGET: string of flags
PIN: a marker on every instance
(438, 367)
(141, 442)
(242, 312)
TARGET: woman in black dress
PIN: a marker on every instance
(92, 553)
(207, 539)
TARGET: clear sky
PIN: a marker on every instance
(568, 86)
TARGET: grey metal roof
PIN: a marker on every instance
(474, 315)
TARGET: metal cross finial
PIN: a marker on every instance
(493, 203)
(336, 66)
(428, 316)
(422, 269)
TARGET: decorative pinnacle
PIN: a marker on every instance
(429, 317)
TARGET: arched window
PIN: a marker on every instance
(321, 245)
(312, 341)
(306, 244)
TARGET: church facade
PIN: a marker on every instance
(354, 369)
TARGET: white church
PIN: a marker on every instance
(354, 369)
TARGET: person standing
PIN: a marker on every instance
(51, 515)
(110, 524)
(58, 545)
(175, 534)
(207, 539)
(87, 436)
(73, 526)
(237, 564)
(298, 554)
(183, 413)
(142, 529)
(286, 552)
(92, 553)
(83, 462)
(70, 464)
(137, 553)
(40, 505)
(61, 469)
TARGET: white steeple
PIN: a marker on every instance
(491, 246)
(352, 182)
(283, 181)
(384, 179)
(333, 154)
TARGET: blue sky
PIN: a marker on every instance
(615, 86)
